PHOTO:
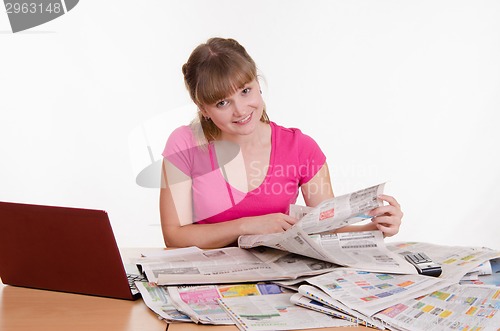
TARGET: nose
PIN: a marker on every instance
(238, 107)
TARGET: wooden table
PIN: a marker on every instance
(28, 309)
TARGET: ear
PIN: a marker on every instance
(260, 88)
(204, 114)
(203, 111)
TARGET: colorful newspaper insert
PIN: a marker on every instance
(368, 292)
(457, 307)
(158, 300)
(200, 303)
(275, 312)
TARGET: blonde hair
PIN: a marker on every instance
(215, 70)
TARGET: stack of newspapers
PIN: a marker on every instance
(307, 277)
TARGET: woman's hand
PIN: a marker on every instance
(387, 218)
(270, 223)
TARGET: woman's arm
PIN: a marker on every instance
(319, 188)
(176, 217)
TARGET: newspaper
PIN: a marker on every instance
(484, 269)
(405, 302)
(275, 312)
(292, 284)
(363, 250)
(158, 300)
(458, 307)
(486, 278)
(318, 295)
(455, 261)
(307, 302)
(232, 265)
(369, 293)
(310, 235)
(201, 305)
(329, 215)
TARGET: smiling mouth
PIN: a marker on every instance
(245, 119)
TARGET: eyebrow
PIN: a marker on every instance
(236, 90)
(244, 85)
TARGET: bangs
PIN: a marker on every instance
(222, 78)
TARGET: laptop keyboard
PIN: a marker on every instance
(132, 278)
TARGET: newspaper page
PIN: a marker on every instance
(340, 211)
(149, 256)
(329, 215)
(458, 307)
(484, 269)
(292, 284)
(318, 295)
(368, 292)
(313, 304)
(294, 240)
(198, 263)
(201, 305)
(488, 278)
(158, 300)
(455, 261)
(363, 250)
(310, 236)
(233, 265)
(275, 312)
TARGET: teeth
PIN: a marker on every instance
(244, 119)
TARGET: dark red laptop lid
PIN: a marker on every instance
(61, 249)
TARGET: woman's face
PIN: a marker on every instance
(237, 114)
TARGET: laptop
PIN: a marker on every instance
(61, 249)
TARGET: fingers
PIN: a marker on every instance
(289, 219)
(285, 226)
(387, 221)
(286, 221)
(387, 230)
(393, 208)
(387, 218)
(390, 200)
(278, 222)
(386, 210)
(389, 225)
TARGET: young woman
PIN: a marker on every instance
(232, 171)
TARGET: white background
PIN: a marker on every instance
(400, 91)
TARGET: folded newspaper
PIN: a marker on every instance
(230, 265)
(312, 234)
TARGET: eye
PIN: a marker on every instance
(246, 90)
(221, 103)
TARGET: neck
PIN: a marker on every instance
(257, 138)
